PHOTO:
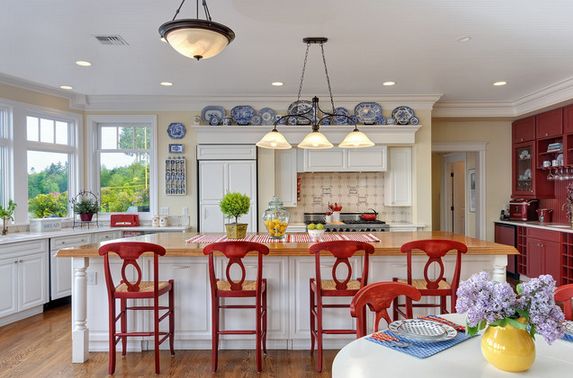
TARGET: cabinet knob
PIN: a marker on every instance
(21, 261)
(16, 262)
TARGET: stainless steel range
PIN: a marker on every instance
(350, 222)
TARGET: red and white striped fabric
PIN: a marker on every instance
(290, 238)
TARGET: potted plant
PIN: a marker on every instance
(49, 205)
(7, 214)
(234, 205)
(86, 207)
(510, 319)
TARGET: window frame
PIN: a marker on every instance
(6, 150)
(94, 122)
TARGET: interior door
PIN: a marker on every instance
(242, 178)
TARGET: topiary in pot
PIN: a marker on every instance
(234, 205)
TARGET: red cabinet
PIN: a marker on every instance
(543, 253)
(568, 119)
(506, 234)
(549, 124)
(528, 181)
(523, 130)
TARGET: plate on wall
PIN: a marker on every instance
(340, 118)
(256, 120)
(366, 112)
(403, 114)
(268, 116)
(242, 114)
(304, 109)
(212, 110)
(176, 130)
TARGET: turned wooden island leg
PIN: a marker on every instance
(80, 332)
(499, 268)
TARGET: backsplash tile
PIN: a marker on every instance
(355, 191)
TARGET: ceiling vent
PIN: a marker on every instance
(113, 40)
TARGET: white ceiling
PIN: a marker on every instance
(413, 42)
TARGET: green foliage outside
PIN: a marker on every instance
(124, 187)
(49, 205)
(235, 205)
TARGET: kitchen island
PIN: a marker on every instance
(287, 268)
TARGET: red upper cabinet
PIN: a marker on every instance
(523, 130)
(550, 124)
(568, 119)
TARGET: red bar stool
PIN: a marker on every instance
(379, 297)
(129, 252)
(438, 287)
(564, 295)
(235, 251)
(319, 288)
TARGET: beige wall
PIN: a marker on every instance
(422, 183)
(497, 135)
(35, 98)
(437, 177)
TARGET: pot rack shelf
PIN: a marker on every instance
(403, 135)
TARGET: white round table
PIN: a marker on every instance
(362, 358)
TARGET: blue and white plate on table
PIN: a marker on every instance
(341, 117)
(214, 120)
(420, 330)
(403, 114)
(256, 120)
(243, 114)
(304, 109)
(366, 112)
(176, 130)
(268, 116)
(210, 110)
(380, 120)
(414, 121)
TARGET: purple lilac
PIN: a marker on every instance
(537, 298)
(483, 299)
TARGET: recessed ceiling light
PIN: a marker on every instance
(500, 83)
(166, 83)
(464, 39)
(83, 63)
(277, 83)
(66, 87)
(388, 83)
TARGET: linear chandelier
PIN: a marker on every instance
(196, 38)
(312, 114)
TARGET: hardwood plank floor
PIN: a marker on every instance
(40, 346)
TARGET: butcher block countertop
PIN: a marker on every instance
(389, 245)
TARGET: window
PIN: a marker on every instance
(5, 144)
(124, 174)
(51, 155)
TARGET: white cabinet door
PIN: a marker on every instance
(398, 179)
(212, 220)
(286, 176)
(372, 159)
(242, 178)
(60, 277)
(8, 286)
(212, 181)
(32, 281)
(332, 160)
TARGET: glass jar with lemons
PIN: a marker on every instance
(276, 219)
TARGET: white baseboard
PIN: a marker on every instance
(21, 315)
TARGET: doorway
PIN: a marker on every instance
(454, 201)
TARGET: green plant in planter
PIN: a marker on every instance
(49, 205)
(7, 214)
(86, 206)
(234, 205)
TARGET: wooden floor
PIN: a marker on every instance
(40, 346)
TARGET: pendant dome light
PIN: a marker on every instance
(314, 140)
(196, 38)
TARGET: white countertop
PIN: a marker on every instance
(561, 227)
(27, 236)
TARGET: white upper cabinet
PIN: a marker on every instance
(398, 179)
(285, 176)
(372, 159)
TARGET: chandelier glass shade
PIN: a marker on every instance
(274, 140)
(196, 38)
(315, 140)
(356, 139)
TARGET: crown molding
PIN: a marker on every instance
(187, 103)
(473, 109)
(549, 96)
(35, 87)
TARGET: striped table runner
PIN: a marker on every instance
(290, 238)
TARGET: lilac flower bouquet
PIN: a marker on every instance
(495, 304)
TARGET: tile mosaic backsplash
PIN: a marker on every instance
(355, 191)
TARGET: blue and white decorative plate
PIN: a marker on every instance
(243, 114)
(214, 120)
(341, 119)
(366, 112)
(380, 120)
(325, 121)
(268, 116)
(292, 120)
(176, 130)
(227, 121)
(256, 120)
(402, 114)
(279, 120)
(209, 110)
(303, 108)
(414, 121)
(390, 121)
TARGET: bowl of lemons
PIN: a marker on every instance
(315, 231)
(276, 227)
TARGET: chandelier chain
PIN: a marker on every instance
(178, 10)
(205, 8)
(327, 77)
(302, 74)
